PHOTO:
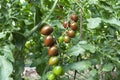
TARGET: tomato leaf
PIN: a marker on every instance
(8, 53)
(112, 21)
(93, 22)
(89, 47)
(5, 68)
(82, 65)
(76, 50)
(2, 35)
(107, 67)
(56, 23)
(19, 40)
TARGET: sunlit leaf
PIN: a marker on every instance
(56, 23)
(5, 68)
(82, 65)
(2, 35)
(76, 50)
(89, 47)
(8, 53)
(112, 21)
(93, 22)
(108, 67)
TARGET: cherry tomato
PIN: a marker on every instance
(53, 60)
(51, 76)
(58, 70)
(61, 39)
(66, 24)
(74, 26)
(53, 51)
(66, 39)
(49, 40)
(46, 30)
(74, 17)
(71, 33)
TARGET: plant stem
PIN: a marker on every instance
(80, 24)
(76, 70)
(35, 28)
(80, 37)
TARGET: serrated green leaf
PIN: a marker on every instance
(93, 22)
(2, 35)
(8, 53)
(93, 72)
(108, 67)
(76, 50)
(107, 8)
(112, 21)
(89, 47)
(57, 23)
(82, 65)
(6, 68)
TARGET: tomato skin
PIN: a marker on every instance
(58, 70)
(53, 51)
(66, 24)
(74, 17)
(61, 39)
(49, 40)
(66, 39)
(71, 33)
(51, 76)
(53, 60)
(46, 30)
(74, 26)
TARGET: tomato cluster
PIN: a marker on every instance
(50, 42)
(71, 26)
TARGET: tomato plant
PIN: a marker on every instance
(83, 34)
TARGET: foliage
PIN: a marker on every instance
(94, 57)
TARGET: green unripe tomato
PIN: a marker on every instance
(53, 60)
(61, 39)
(66, 39)
(58, 70)
(51, 76)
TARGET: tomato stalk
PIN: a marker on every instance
(80, 37)
(35, 28)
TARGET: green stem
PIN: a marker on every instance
(101, 63)
(35, 28)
